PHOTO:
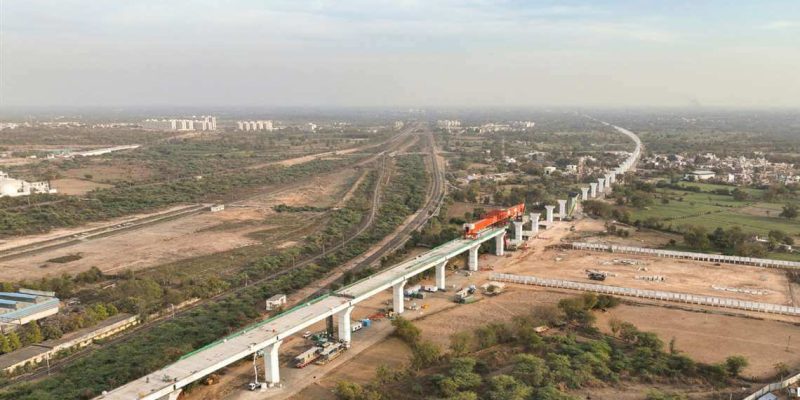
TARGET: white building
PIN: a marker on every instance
(260, 125)
(205, 123)
(10, 187)
(448, 124)
(699, 175)
(309, 127)
(549, 170)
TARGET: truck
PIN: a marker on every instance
(356, 326)
(412, 290)
(431, 288)
(467, 300)
(330, 352)
(307, 357)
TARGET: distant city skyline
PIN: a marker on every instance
(355, 53)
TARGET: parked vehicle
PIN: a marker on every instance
(307, 357)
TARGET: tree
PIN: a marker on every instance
(790, 211)
(696, 237)
(33, 334)
(781, 369)
(529, 369)
(740, 195)
(5, 346)
(425, 354)
(460, 343)
(13, 341)
(505, 387)
(735, 364)
(406, 330)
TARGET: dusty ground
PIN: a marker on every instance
(76, 187)
(710, 338)
(55, 233)
(118, 171)
(643, 238)
(683, 276)
(191, 236)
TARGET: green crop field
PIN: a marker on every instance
(714, 210)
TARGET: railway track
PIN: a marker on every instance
(59, 364)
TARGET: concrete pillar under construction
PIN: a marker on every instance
(535, 222)
(608, 182)
(344, 325)
(398, 297)
(500, 245)
(549, 213)
(612, 177)
(584, 193)
(562, 209)
(272, 373)
(601, 186)
(473, 258)
(518, 230)
(593, 188)
(440, 271)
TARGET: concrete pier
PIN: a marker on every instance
(584, 193)
(473, 258)
(398, 298)
(601, 186)
(272, 375)
(535, 223)
(549, 210)
(518, 230)
(593, 187)
(440, 272)
(344, 325)
(500, 245)
(562, 209)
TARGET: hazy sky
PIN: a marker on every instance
(400, 53)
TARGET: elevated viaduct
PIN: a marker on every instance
(266, 337)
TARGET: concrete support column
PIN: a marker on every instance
(593, 189)
(344, 325)
(584, 193)
(518, 230)
(272, 374)
(549, 210)
(440, 275)
(612, 177)
(398, 298)
(562, 209)
(601, 186)
(500, 243)
(608, 182)
(473, 258)
(535, 222)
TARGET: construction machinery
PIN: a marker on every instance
(492, 218)
(307, 357)
(330, 352)
(597, 276)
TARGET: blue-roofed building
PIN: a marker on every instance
(19, 308)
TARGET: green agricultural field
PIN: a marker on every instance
(713, 210)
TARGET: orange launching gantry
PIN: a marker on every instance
(494, 217)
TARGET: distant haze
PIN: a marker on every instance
(399, 53)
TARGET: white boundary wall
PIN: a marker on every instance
(758, 262)
(651, 294)
(773, 386)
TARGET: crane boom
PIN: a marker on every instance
(471, 229)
